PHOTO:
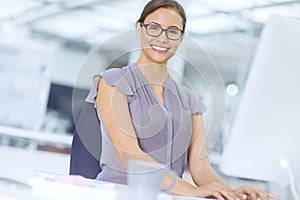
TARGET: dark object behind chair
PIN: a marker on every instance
(86, 145)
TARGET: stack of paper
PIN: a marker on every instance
(71, 187)
(164, 196)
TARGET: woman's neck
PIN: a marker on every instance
(155, 73)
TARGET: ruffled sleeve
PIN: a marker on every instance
(190, 100)
(118, 77)
(197, 105)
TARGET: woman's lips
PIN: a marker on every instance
(159, 49)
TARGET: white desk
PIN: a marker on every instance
(43, 189)
(121, 194)
(36, 135)
(22, 165)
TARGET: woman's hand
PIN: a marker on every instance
(223, 192)
(253, 193)
(219, 191)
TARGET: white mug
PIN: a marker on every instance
(145, 179)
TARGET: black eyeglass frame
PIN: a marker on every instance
(162, 30)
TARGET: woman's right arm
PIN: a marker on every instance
(114, 112)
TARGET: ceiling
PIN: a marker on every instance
(92, 20)
(229, 29)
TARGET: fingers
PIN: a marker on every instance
(242, 196)
(254, 193)
(270, 196)
(225, 192)
(219, 191)
(222, 192)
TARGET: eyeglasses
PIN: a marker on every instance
(156, 30)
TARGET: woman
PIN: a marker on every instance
(145, 115)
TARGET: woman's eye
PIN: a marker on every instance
(173, 31)
(152, 27)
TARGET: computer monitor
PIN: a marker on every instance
(266, 126)
(67, 105)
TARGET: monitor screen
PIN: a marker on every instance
(266, 126)
(65, 104)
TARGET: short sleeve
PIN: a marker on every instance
(118, 77)
(197, 105)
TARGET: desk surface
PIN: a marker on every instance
(29, 167)
(46, 189)
(36, 135)
(20, 164)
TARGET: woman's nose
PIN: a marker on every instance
(163, 36)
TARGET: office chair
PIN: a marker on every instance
(86, 144)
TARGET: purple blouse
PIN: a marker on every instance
(163, 131)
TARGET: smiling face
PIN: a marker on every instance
(159, 49)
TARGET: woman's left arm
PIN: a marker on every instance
(200, 168)
(204, 175)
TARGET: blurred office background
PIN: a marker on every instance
(43, 44)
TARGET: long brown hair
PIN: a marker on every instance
(153, 5)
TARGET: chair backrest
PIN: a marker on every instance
(87, 144)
